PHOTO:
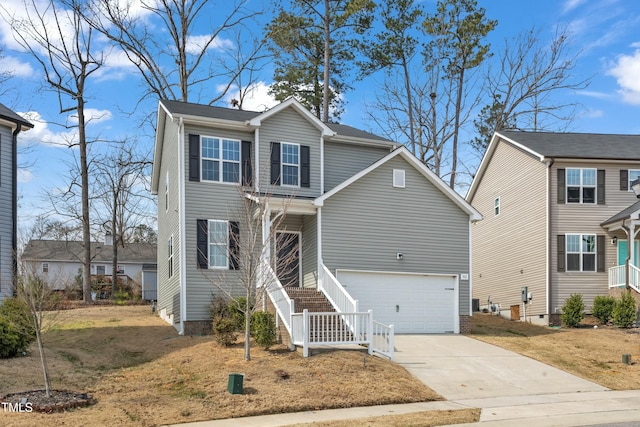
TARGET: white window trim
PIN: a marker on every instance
(399, 178)
(497, 208)
(631, 180)
(582, 186)
(220, 160)
(226, 245)
(104, 267)
(45, 267)
(283, 164)
(581, 253)
(166, 192)
(170, 256)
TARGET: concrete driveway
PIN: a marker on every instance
(460, 368)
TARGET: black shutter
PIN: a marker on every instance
(561, 184)
(305, 166)
(624, 179)
(234, 245)
(561, 253)
(600, 253)
(247, 172)
(601, 184)
(275, 163)
(194, 157)
(203, 243)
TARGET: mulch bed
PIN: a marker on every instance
(60, 400)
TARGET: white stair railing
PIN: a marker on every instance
(278, 295)
(618, 277)
(634, 277)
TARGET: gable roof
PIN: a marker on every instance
(403, 152)
(633, 210)
(8, 115)
(71, 251)
(550, 146)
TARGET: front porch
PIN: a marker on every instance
(626, 273)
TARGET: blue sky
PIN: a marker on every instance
(605, 32)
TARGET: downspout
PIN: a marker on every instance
(14, 206)
(470, 269)
(182, 226)
(549, 163)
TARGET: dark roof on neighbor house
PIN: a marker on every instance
(625, 214)
(232, 114)
(579, 145)
(56, 250)
(7, 114)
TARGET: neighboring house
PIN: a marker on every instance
(555, 208)
(362, 208)
(11, 125)
(61, 261)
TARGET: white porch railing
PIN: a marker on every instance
(329, 329)
(346, 326)
(618, 277)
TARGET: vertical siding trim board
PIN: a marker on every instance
(470, 282)
(257, 158)
(182, 264)
(319, 245)
(321, 165)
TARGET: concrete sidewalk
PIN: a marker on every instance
(509, 388)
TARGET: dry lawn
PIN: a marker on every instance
(416, 419)
(142, 373)
(592, 353)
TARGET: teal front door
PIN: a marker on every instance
(623, 252)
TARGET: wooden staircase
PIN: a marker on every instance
(315, 302)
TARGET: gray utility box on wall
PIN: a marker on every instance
(235, 383)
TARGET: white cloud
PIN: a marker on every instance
(570, 5)
(92, 116)
(257, 97)
(12, 66)
(195, 44)
(626, 70)
(42, 134)
(24, 175)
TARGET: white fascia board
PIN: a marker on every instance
(163, 113)
(362, 141)
(291, 102)
(13, 125)
(219, 123)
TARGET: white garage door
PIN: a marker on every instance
(413, 303)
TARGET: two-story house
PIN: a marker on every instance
(558, 212)
(358, 210)
(11, 124)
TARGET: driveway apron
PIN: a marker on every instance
(460, 368)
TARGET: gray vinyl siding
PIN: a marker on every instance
(6, 212)
(509, 250)
(342, 161)
(209, 200)
(290, 126)
(169, 224)
(368, 222)
(310, 251)
(586, 219)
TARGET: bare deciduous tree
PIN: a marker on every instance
(60, 41)
(524, 88)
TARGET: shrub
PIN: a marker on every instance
(224, 330)
(625, 312)
(263, 328)
(236, 311)
(603, 308)
(16, 327)
(573, 311)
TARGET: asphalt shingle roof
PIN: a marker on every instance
(7, 114)
(199, 110)
(56, 250)
(623, 214)
(579, 145)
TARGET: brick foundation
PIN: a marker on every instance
(465, 324)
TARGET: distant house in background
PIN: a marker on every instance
(60, 261)
(11, 125)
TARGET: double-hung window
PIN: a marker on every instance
(290, 164)
(633, 175)
(496, 206)
(581, 185)
(218, 244)
(220, 159)
(581, 252)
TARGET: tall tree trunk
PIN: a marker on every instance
(327, 61)
(247, 327)
(407, 86)
(45, 371)
(456, 129)
(86, 232)
(114, 248)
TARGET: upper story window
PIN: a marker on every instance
(290, 164)
(581, 252)
(220, 159)
(166, 192)
(45, 267)
(633, 175)
(170, 255)
(496, 206)
(581, 185)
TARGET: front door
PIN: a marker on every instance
(623, 252)
(288, 258)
